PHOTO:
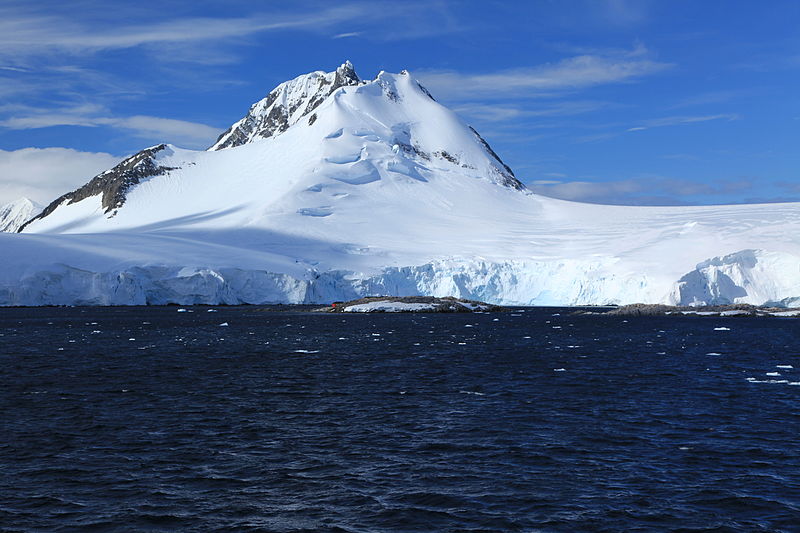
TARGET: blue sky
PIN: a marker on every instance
(622, 101)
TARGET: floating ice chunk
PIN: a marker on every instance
(794, 383)
(559, 370)
(224, 324)
(722, 328)
(713, 353)
(389, 307)
(211, 311)
(474, 393)
(132, 339)
(784, 366)
(306, 351)
(181, 310)
(773, 374)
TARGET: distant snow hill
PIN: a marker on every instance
(334, 188)
(14, 215)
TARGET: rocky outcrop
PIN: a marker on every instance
(113, 184)
(286, 105)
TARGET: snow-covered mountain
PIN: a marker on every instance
(333, 187)
(17, 213)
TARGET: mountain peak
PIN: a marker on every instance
(285, 105)
(347, 70)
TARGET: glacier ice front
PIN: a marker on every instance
(334, 187)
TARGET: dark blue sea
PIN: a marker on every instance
(157, 419)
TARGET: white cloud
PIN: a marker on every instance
(503, 113)
(30, 32)
(44, 174)
(573, 73)
(153, 129)
(680, 121)
(346, 35)
(178, 132)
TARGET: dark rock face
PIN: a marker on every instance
(113, 184)
(276, 120)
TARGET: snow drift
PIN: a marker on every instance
(334, 188)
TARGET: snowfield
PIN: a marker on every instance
(380, 190)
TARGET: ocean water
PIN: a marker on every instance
(223, 419)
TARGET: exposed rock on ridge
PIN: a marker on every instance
(285, 105)
(113, 184)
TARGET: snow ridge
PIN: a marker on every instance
(14, 215)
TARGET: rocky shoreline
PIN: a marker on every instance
(733, 310)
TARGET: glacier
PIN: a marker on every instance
(335, 188)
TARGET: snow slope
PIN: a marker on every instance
(16, 213)
(333, 188)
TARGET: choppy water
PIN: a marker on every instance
(154, 419)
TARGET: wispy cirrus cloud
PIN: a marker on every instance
(29, 31)
(569, 74)
(682, 120)
(155, 129)
(504, 112)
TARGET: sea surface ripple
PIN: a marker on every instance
(241, 419)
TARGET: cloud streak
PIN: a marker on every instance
(641, 190)
(577, 72)
(154, 129)
(682, 121)
(28, 33)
